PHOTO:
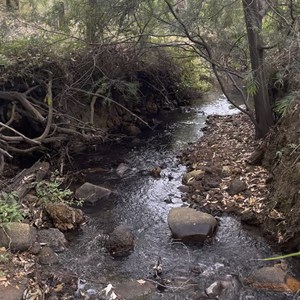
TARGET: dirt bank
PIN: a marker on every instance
(282, 159)
(265, 196)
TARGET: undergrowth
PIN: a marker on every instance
(10, 210)
(50, 191)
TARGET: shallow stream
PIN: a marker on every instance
(143, 202)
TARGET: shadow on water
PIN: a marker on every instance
(138, 201)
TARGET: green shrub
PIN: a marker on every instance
(283, 106)
(51, 191)
(10, 210)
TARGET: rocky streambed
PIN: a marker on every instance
(144, 209)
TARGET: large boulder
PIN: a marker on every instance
(17, 236)
(120, 241)
(63, 216)
(53, 238)
(188, 224)
(91, 193)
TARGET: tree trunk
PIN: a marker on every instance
(91, 23)
(263, 110)
(61, 21)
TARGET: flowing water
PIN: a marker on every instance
(143, 202)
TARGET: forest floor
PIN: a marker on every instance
(223, 180)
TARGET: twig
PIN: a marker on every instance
(113, 101)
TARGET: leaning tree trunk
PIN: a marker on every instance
(263, 110)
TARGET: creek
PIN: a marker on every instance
(143, 202)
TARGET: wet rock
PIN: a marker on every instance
(53, 238)
(273, 278)
(227, 288)
(13, 291)
(183, 189)
(190, 176)
(152, 107)
(250, 218)
(236, 186)
(17, 236)
(133, 130)
(35, 248)
(190, 225)
(91, 193)
(132, 290)
(47, 256)
(120, 241)
(64, 217)
(122, 169)
(136, 141)
(155, 172)
(210, 183)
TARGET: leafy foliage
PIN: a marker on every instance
(282, 256)
(251, 85)
(10, 210)
(5, 256)
(51, 191)
(282, 107)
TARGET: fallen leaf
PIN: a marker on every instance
(59, 287)
(141, 281)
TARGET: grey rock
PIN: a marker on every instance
(120, 241)
(17, 236)
(183, 189)
(236, 186)
(122, 169)
(227, 288)
(191, 176)
(13, 291)
(35, 248)
(47, 256)
(274, 278)
(134, 290)
(133, 130)
(189, 224)
(54, 238)
(91, 193)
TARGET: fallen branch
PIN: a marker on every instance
(25, 138)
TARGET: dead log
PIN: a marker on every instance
(26, 180)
